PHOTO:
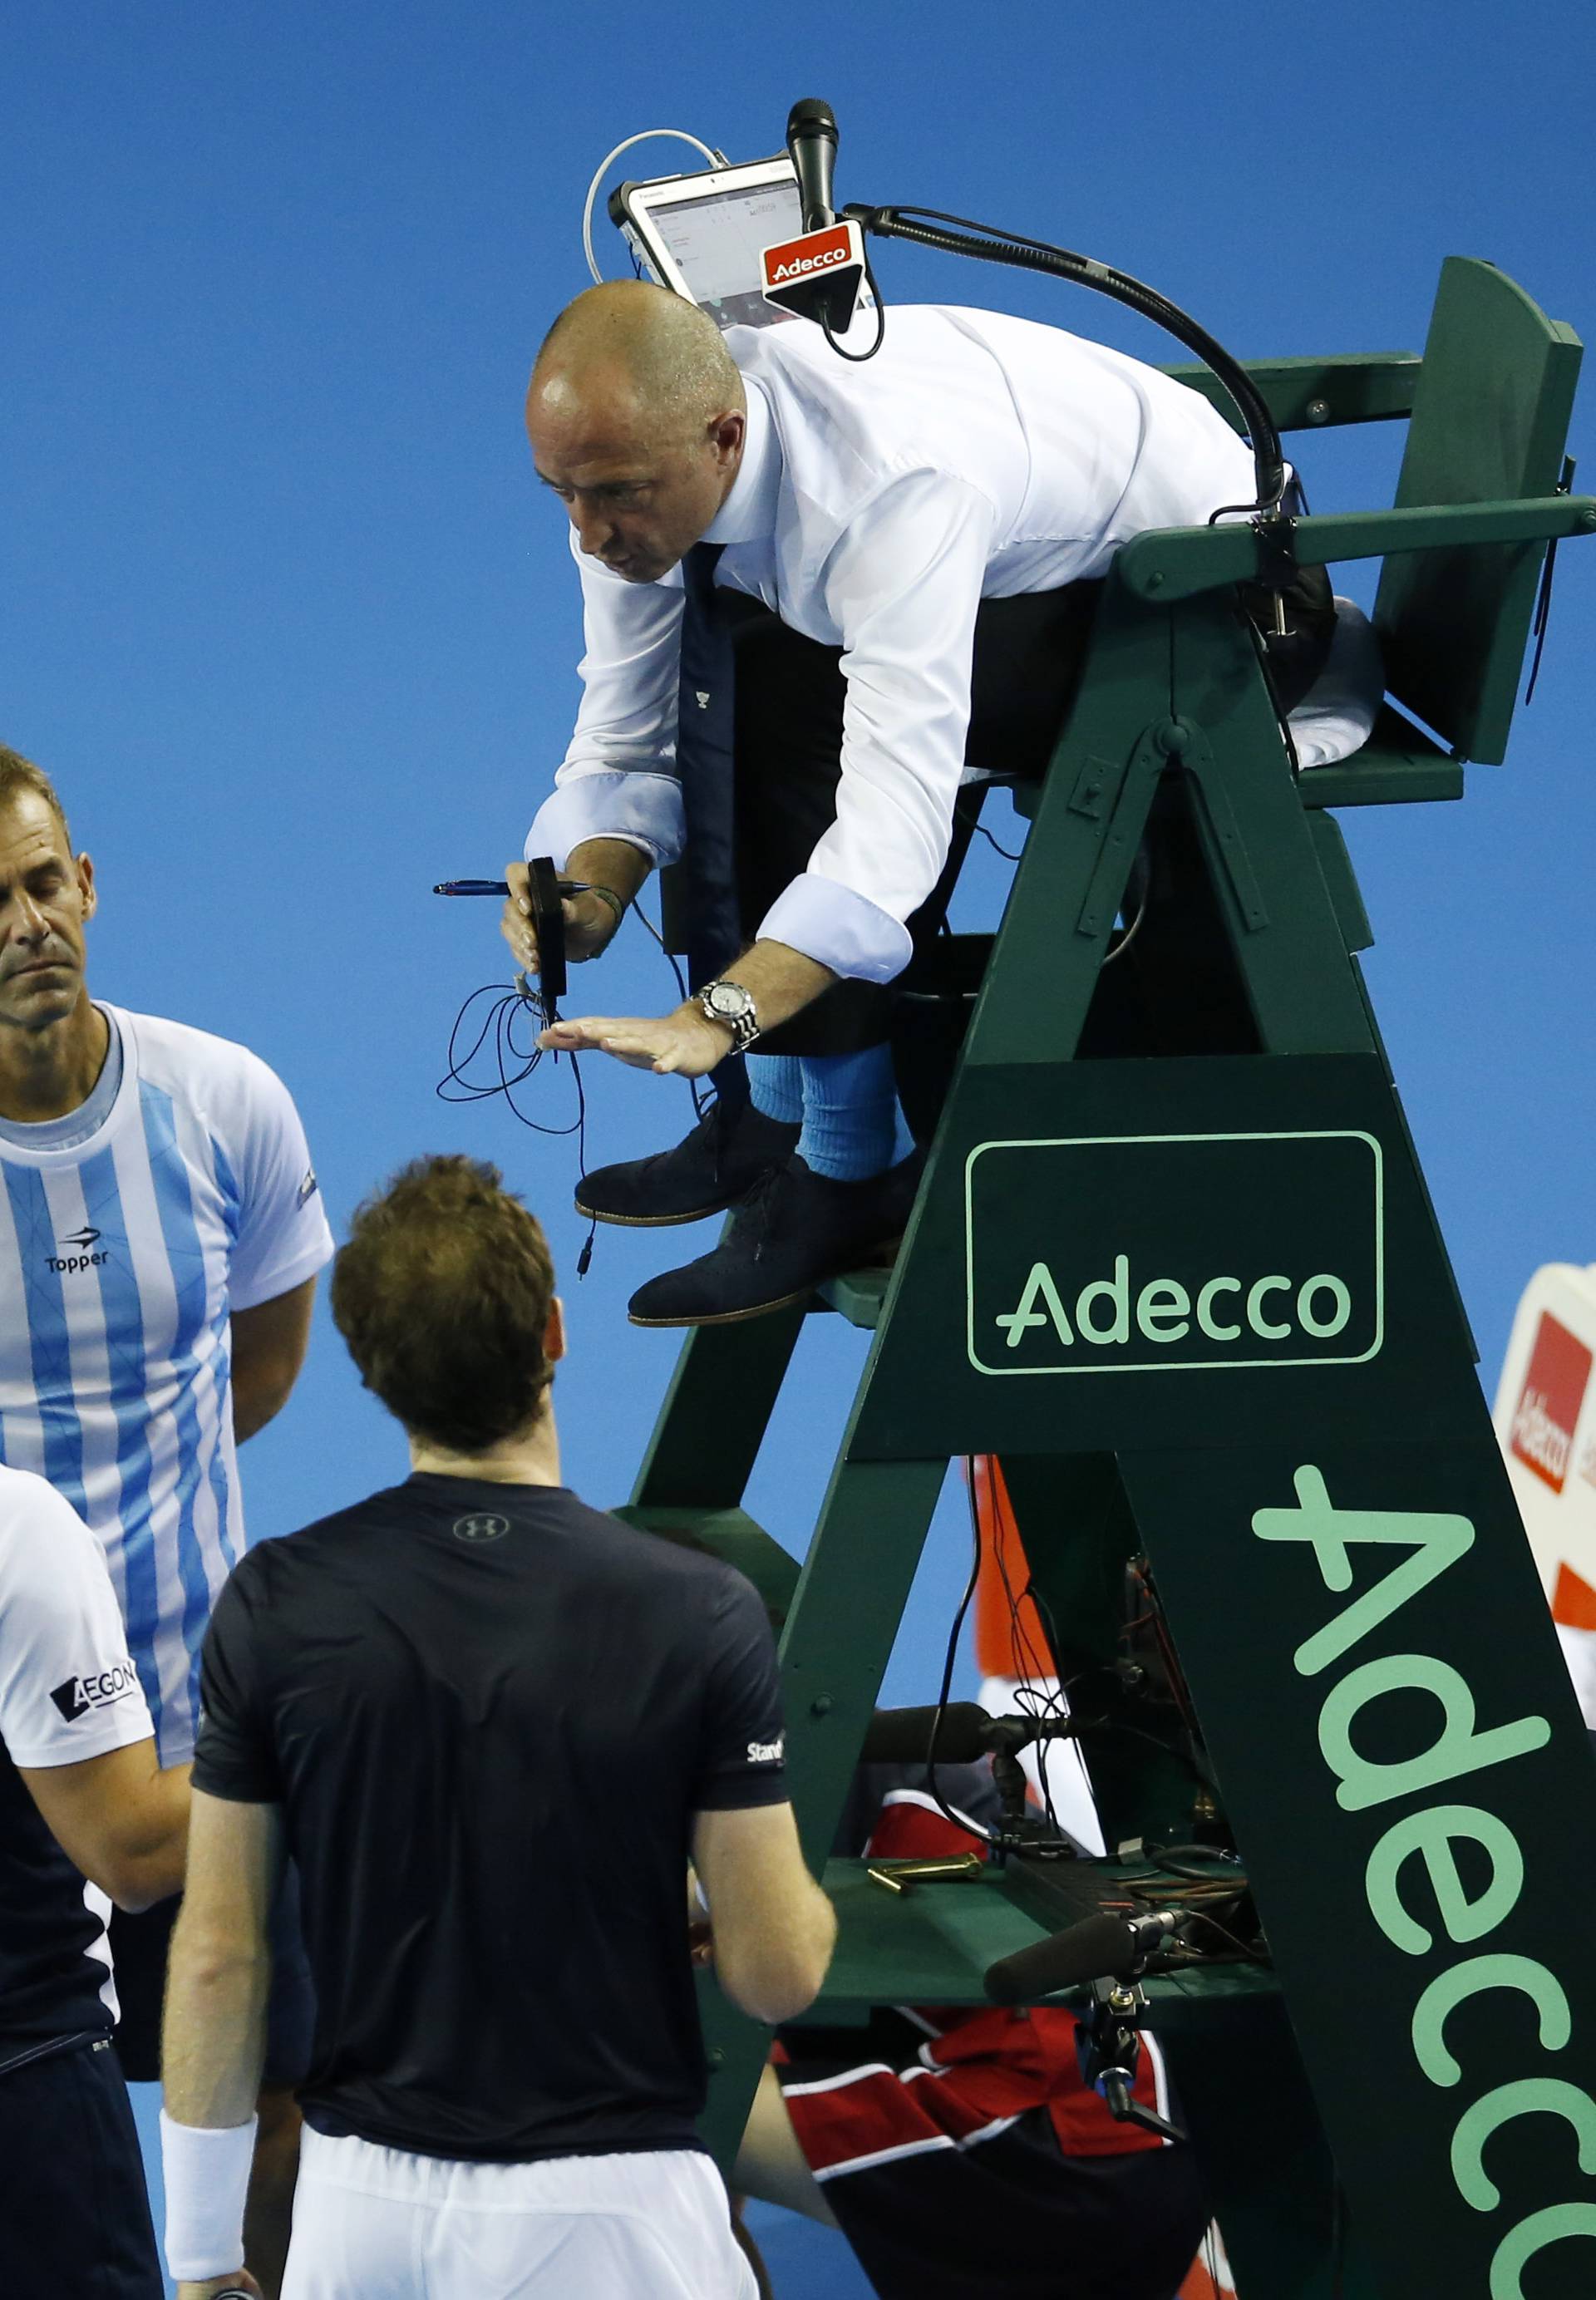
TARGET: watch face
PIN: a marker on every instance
(728, 1000)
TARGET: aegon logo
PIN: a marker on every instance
(1174, 1251)
(97, 1689)
(1429, 1544)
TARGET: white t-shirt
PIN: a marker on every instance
(67, 1690)
(128, 1253)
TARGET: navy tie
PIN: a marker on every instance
(704, 734)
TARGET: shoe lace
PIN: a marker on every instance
(757, 1209)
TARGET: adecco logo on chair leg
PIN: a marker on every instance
(1449, 1869)
(1174, 1253)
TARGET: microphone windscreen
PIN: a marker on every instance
(902, 1737)
(1095, 1949)
(812, 115)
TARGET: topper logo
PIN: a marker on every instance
(1549, 1403)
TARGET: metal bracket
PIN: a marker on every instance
(1137, 780)
(1195, 753)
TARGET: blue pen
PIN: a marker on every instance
(499, 886)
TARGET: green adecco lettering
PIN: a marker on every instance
(1174, 1252)
(1417, 1846)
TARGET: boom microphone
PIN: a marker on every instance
(812, 142)
(902, 1737)
(1098, 1948)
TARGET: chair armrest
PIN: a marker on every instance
(1177, 562)
(1314, 394)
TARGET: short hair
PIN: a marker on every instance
(673, 353)
(443, 1294)
(18, 774)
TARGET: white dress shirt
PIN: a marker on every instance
(978, 457)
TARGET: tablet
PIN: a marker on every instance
(703, 235)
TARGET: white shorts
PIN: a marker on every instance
(378, 2224)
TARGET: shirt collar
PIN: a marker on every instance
(750, 509)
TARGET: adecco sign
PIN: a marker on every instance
(1448, 1868)
(1140, 1253)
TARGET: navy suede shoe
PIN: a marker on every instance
(795, 1229)
(730, 1148)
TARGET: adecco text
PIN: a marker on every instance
(1426, 1835)
(1165, 1309)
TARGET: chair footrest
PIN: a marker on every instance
(858, 1296)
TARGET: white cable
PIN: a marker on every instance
(716, 159)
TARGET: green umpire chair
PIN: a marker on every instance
(1174, 1262)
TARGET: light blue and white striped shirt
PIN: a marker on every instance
(129, 1252)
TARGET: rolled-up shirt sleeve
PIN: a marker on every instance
(903, 587)
(618, 777)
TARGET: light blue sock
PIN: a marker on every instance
(776, 1087)
(853, 1127)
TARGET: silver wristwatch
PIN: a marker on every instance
(730, 1003)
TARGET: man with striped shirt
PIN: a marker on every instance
(160, 1236)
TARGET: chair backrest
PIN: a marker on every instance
(1489, 420)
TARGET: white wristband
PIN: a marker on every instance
(206, 2171)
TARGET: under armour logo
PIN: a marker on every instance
(701, 697)
(480, 1528)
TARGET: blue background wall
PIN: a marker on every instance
(284, 615)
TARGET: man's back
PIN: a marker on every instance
(1075, 447)
(490, 1714)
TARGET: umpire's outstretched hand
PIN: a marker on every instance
(683, 1044)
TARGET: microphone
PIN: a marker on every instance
(812, 142)
(818, 274)
(1098, 1948)
(901, 1736)
(548, 924)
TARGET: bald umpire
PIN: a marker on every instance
(898, 560)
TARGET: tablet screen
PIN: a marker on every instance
(715, 243)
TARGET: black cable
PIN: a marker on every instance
(670, 959)
(1543, 596)
(943, 1807)
(858, 359)
(1137, 1732)
(1022, 1645)
(1017, 249)
(513, 1063)
(982, 832)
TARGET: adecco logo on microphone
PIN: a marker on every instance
(796, 259)
(1174, 1253)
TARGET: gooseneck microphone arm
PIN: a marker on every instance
(958, 236)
